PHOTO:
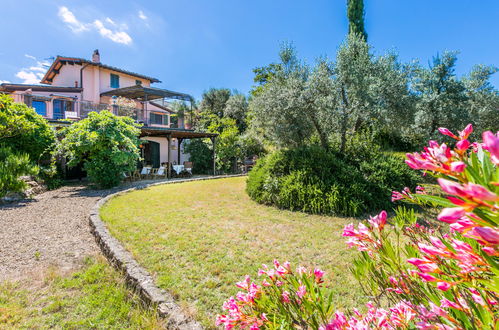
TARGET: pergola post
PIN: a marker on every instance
(213, 141)
(168, 169)
(178, 151)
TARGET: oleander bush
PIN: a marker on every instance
(442, 276)
(313, 180)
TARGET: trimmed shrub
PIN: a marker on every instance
(312, 180)
(200, 155)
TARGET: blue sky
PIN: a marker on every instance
(194, 45)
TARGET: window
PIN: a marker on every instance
(60, 107)
(138, 82)
(40, 107)
(158, 119)
(115, 81)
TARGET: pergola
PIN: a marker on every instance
(180, 135)
(146, 94)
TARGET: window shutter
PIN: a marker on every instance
(115, 81)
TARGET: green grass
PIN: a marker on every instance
(94, 297)
(199, 238)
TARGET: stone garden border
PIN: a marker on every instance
(136, 276)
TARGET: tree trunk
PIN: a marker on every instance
(322, 134)
(344, 120)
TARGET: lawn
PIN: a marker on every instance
(94, 297)
(199, 238)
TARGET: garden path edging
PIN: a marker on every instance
(135, 275)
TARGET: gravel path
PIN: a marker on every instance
(50, 230)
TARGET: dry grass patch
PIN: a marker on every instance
(93, 298)
(199, 238)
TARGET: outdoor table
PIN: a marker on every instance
(178, 168)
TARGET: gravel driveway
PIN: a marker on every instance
(50, 230)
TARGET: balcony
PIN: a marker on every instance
(69, 109)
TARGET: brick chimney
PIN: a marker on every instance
(96, 56)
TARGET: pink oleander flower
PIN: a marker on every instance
(285, 297)
(490, 251)
(477, 297)
(479, 192)
(452, 187)
(451, 214)
(488, 234)
(427, 277)
(444, 286)
(402, 314)
(446, 303)
(457, 167)
(420, 190)
(318, 275)
(465, 133)
(396, 196)
(424, 264)
(491, 144)
(437, 310)
(302, 290)
(245, 285)
(470, 191)
(432, 250)
(378, 221)
(463, 145)
(417, 162)
(462, 225)
(339, 321)
(447, 132)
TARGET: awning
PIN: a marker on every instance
(142, 93)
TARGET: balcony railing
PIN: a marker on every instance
(67, 109)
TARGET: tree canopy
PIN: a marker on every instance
(106, 144)
(296, 104)
(23, 130)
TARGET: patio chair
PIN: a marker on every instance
(146, 171)
(160, 172)
(188, 167)
(135, 175)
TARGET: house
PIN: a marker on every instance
(73, 87)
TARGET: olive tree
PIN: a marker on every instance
(483, 98)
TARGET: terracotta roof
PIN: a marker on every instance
(38, 88)
(62, 60)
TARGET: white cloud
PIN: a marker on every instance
(120, 37)
(37, 68)
(28, 77)
(34, 73)
(142, 15)
(4, 81)
(110, 21)
(112, 31)
(69, 18)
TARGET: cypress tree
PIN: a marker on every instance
(355, 13)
